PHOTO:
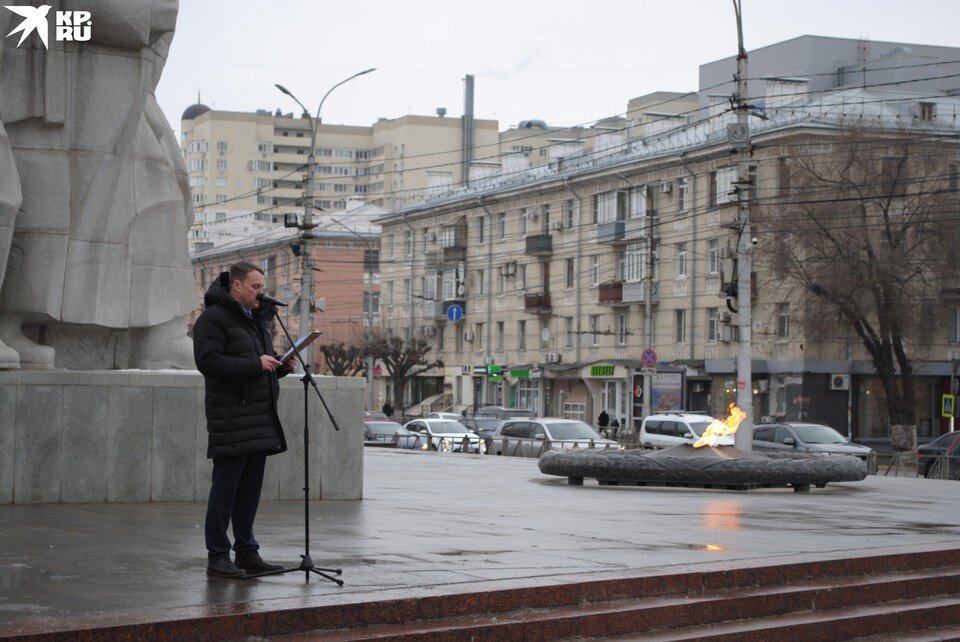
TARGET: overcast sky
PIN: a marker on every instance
(562, 61)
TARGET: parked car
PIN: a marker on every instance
(375, 414)
(499, 412)
(483, 426)
(806, 438)
(663, 430)
(390, 432)
(453, 416)
(531, 437)
(445, 435)
(945, 446)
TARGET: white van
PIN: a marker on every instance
(672, 428)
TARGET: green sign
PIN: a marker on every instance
(520, 374)
(494, 370)
(602, 371)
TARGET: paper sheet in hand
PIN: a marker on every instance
(301, 343)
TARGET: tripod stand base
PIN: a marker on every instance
(307, 567)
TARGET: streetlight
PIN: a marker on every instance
(369, 306)
(306, 227)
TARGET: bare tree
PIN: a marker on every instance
(865, 225)
(403, 359)
(343, 360)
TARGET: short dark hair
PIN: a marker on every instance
(239, 271)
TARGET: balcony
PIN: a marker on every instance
(537, 303)
(433, 310)
(611, 293)
(454, 253)
(637, 292)
(539, 245)
(611, 232)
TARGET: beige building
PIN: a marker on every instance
(554, 268)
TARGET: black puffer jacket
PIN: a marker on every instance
(241, 399)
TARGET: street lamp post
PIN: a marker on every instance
(307, 225)
(369, 308)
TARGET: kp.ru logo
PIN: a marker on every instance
(72, 26)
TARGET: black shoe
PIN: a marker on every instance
(224, 568)
(251, 562)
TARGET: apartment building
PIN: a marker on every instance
(562, 275)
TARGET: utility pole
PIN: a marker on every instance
(307, 225)
(739, 136)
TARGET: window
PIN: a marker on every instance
(545, 218)
(390, 293)
(953, 325)
(501, 282)
(221, 181)
(721, 186)
(621, 329)
(683, 196)
(371, 305)
(407, 292)
(221, 164)
(521, 335)
(502, 225)
(783, 321)
(713, 257)
(635, 262)
(481, 223)
(680, 326)
(371, 260)
(713, 328)
(785, 177)
(594, 329)
(570, 271)
(221, 198)
(480, 283)
(928, 111)
(522, 271)
(523, 221)
(568, 331)
(568, 213)
(198, 165)
(499, 335)
(408, 242)
(266, 148)
(478, 337)
(220, 217)
(681, 260)
(595, 270)
(448, 285)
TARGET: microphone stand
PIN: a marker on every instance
(306, 563)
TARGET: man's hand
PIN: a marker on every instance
(269, 364)
(286, 367)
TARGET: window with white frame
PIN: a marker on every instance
(390, 292)
(408, 242)
(568, 213)
(575, 411)
(713, 257)
(783, 321)
(389, 245)
(680, 326)
(522, 276)
(595, 270)
(523, 221)
(430, 287)
(634, 262)
(721, 186)
(266, 148)
(221, 198)
(502, 225)
(521, 335)
(221, 147)
(681, 260)
(683, 195)
(449, 284)
(221, 164)
(639, 199)
(606, 207)
(594, 329)
(621, 329)
(713, 325)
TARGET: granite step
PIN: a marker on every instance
(805, 603)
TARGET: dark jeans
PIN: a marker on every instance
(234, 497)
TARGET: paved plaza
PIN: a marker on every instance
(442, 523)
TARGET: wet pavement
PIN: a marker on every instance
(442, 523)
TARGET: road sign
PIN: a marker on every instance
(648, 371)
(454, 313)
(947, 407)
(649, 357)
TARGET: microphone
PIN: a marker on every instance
(263, 298)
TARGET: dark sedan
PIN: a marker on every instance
(941, 457)
(483, 426)
(807, 438)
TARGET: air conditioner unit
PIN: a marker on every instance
(839, 382)
(468, 335)
(551, 357)
(558, 225)
(666, 186)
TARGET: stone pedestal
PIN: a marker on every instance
(138, 436)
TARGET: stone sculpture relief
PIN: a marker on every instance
(94, 200)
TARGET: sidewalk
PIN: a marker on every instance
(441, 523)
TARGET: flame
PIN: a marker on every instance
(714, 548)
(722, 428)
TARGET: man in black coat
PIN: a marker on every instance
(234, 352)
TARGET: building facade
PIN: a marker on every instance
(562, 276)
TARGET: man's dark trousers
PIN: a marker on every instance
(234, 497)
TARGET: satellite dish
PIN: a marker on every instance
(286, 293)
(545, 335)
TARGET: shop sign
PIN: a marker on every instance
(602, 371)
(479, 370)
(520, 374)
